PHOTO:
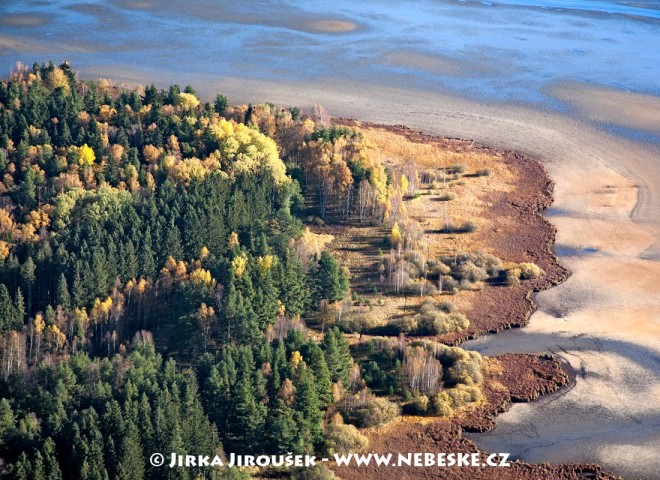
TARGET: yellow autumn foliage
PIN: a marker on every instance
(6, 222)
(202, 276)
(296, 358)
(55, 337)
(81, 315)
(183, 172)
(101, 309)
(151, 153)
(4, 250)
(395, 234)
(265, 263)
(187, 101)
(310, 245)
(238, 265)
(106, 112)
(39, 218)
(404, 185)
(57, 79)
(39, 323)
(247, 150)
(205, 313)
(232, 241)
(180, 270)
(86, 155)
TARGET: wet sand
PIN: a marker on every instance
(611, 106)
(604, 320)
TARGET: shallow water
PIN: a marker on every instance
(509, 50)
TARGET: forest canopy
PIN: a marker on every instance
(155, 274)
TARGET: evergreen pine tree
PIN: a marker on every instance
(131, 465)
(28, 278)
(7, 310)
(19, 311)
(309, 407)
(329, 282)
(51, 466)
(77, 289)
(322, 375)
(62, 296)
(337, 355)
(173, 242)
(147, 263)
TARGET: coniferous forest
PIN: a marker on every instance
(156, 274)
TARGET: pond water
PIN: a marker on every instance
(511, 50)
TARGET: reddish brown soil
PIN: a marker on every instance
(528, 238)
(508, 378)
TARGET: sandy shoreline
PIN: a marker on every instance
(604, 320)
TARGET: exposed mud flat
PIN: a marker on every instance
(607, 105)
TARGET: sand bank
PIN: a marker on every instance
(632, 110)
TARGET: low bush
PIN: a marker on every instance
(446, 197)
(375, 411)
(442, 404)
(343, 439)
(465, 368)
(418, 406)
(455, 169)
(529, 271)
(512, 276)
(432, 319)
(446, 306)
(467, 227)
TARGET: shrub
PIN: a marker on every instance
(484, 172)
(446, 197)
(430, 323)
(455, 322)
(427, 306)
(419, 405)
(450, 284)
(455, 169)
(406, 325)
(417, 259)
(446, 306)
(469, 271)
(512, 276)
(420, 287)
(467, 227)
(375, 411)
(465, 284)
(439, 268)
(462, 395)
(360, 323)
(343, 439)
(466, 368)
(529, 271)
(442, 404)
